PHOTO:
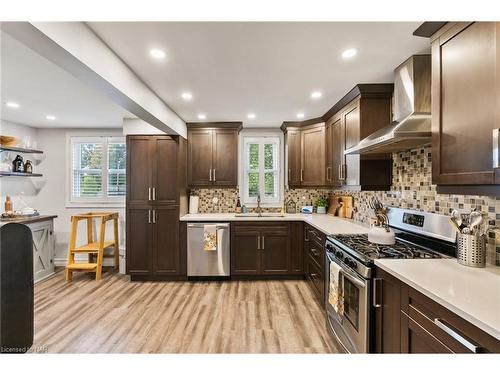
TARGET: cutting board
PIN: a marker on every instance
(341, 206)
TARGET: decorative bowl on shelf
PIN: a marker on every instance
(8, 141)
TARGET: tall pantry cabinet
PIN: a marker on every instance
(156, 197)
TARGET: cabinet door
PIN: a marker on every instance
(415, 339)
(165, 176)
(140, 166)
(139, 241)
(43, 249)
(329, 151)
(464, 104)
(166, 241)
(294, 160)
(275, 251)
(297, 245)
(199, 157)
(351, 123)
(316, 280)
(225, 160)
(313, 156)
(245, 258)
(387, 304)
(338, 159)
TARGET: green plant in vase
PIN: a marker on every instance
(321, 204)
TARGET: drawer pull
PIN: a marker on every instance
(462, 340)
(314, 252)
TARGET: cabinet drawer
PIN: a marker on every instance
(315, 235)
(316, 280)
(457, 334)
(316, 252)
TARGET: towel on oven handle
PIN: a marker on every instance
(335, 295)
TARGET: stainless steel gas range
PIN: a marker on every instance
(419, 235)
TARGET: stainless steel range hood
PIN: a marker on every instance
(412, 111)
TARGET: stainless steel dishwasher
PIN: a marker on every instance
(208, 263)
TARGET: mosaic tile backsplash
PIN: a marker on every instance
(411, 188)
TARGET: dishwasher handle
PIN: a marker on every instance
(201, 225)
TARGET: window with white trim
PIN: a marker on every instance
(98, 172)
(261, 158)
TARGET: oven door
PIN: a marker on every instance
(351, 329)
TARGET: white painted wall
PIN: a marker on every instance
(139, 127)
(22, 190)
(47, 194)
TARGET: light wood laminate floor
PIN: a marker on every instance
(118, 316)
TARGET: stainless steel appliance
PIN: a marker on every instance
(412, 111)
(202, 263)
(418, 235)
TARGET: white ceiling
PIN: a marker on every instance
(269, 69)
(40, 88)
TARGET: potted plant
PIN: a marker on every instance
(321, 204)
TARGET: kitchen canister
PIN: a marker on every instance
(471, 250)
(194, 202)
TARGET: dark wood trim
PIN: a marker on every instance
(370, 90)
(215, 125)
(300, 124)
(427, 29)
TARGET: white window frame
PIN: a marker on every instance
(260, 136)
(104, 200)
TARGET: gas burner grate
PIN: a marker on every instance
(400, 250)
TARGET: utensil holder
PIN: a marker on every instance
(471, 250)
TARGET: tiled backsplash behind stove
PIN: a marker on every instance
(412, 188)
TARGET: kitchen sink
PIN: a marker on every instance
(264, 214)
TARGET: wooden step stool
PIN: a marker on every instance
(94, 249)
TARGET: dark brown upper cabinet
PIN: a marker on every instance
(364, 110)
(306, 145)
(152, 170)
(213, 154)
(466, 108)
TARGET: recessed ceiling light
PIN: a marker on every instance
(157, 53)
(251, 115)
(300, 115)
(12, 104)
(348, 53)
(316, 94)
(50, 117)
(202, 116)
(187, 96)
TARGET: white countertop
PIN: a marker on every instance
(471, 293)
(325, 223)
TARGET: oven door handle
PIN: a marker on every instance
(346, 273)
(353, 279)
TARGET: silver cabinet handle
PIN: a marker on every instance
(258, 242)
(496, 148)
(301, 175)
(214, 176)
(462, 340)
(210, 175)
(154, 193)
(339, 173)
(149, 193)
(263, 244)
(149, 216)
(154, 216)
(376, 290)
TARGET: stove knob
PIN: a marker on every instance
(339, 254)
(351, 263)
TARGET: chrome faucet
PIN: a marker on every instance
(259, 209)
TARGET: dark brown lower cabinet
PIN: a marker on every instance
(153, 242)
(140, 245)
(258, 250)
(314, 262)
(420, 324)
